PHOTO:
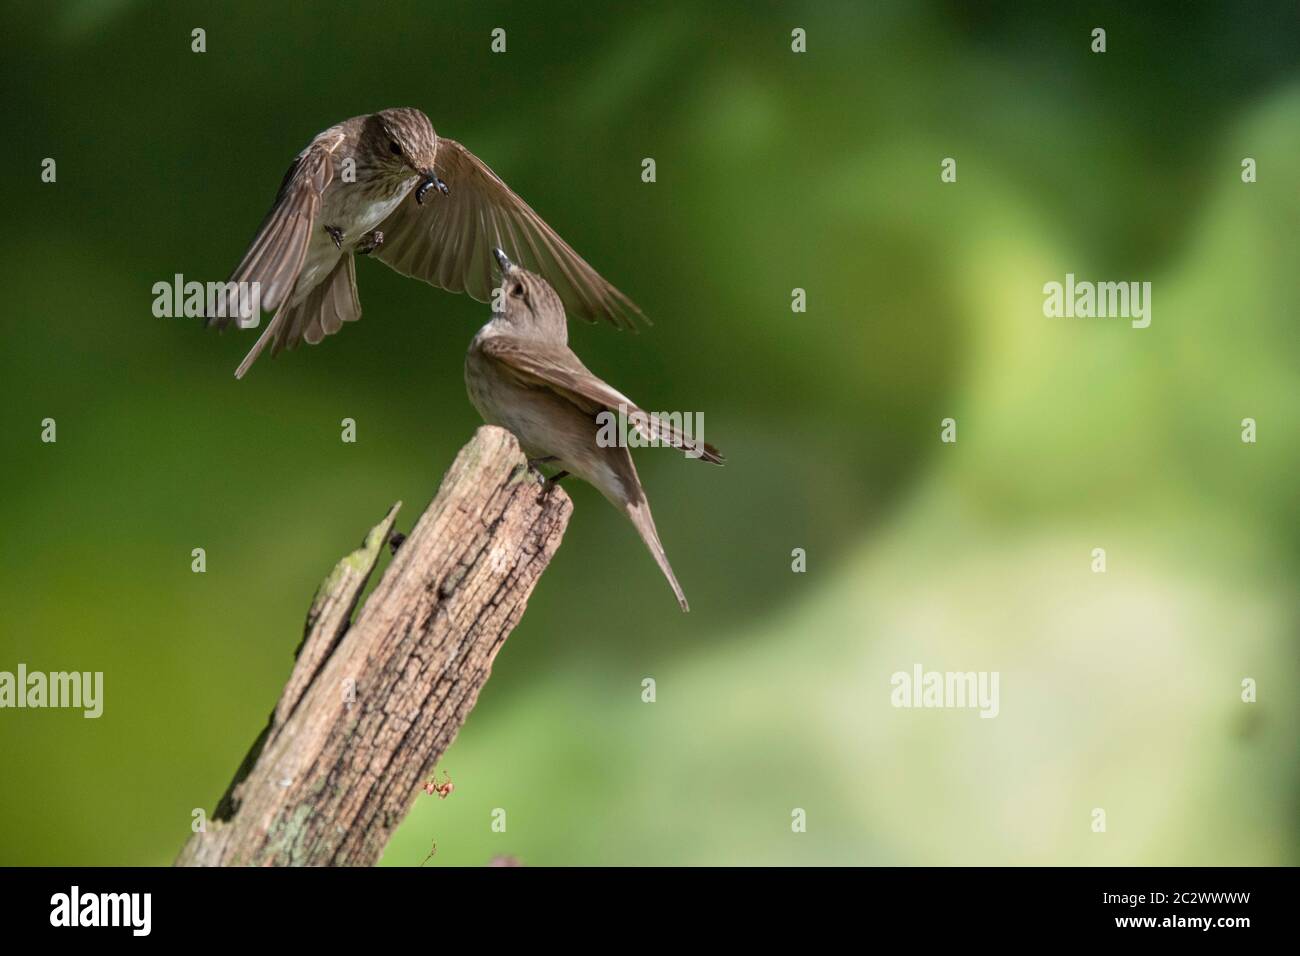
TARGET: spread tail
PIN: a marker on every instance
(321, 313)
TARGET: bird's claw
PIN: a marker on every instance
(534, 465)
(336, 234)
(370, 242)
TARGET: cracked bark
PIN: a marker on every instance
(370, 708)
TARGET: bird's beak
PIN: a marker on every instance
(429, 181)
(503, 261)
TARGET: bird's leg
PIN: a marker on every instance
(336, 234)
(370, 242)
(534, 465)
(548, 483)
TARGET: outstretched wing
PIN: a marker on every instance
(555, 367)
(276, 256)
(448, 241)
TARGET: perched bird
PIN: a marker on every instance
(363, 187)
(521, 375)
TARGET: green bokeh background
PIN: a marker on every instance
(775, 170)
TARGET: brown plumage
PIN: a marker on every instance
(521, 375)
(387, 184)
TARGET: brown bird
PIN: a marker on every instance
(521, 375)
(362, 187)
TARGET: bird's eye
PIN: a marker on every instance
(395, 149)
(518, 290)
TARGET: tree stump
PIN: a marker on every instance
(372, 705)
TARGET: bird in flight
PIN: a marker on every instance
(521, 375)
(364, 187)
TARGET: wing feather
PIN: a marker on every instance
(555, 367)
(446, 241)
(276, 254)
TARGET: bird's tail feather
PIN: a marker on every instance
(322, 312)
(263, 341)
(639, 512)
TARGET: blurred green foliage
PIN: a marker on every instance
(775, 171)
